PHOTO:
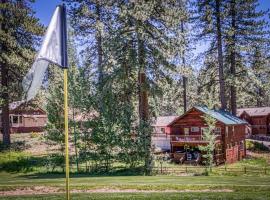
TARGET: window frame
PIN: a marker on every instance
(197, 129)
(217, 130)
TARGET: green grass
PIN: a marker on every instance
(20, 170)
(8, 181)
(150, 196)
(243, 187)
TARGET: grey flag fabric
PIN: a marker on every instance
(51, 52)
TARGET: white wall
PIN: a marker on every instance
(161, 141)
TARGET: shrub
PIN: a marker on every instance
(255, 146)
(34, 135)
(14, 161)
(14, 146)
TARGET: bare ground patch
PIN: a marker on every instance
(52, 190)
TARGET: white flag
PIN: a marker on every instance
(53, 50)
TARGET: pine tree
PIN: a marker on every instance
(209, 132)
(18, 38)
(210, 15)
(244, 26)
(140, 41)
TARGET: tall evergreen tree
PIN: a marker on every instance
(209, 22)
(18, 37)
(245, 26)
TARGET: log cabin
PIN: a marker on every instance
(26, 118)
(186, 135)
(258, 119)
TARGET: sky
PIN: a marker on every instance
(45, 8)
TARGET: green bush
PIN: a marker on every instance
(34, 135)
(255, 146)
(14, 161)
(14, 146)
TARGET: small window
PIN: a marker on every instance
(195, 129)
(20, 119)
(15, 119)
(186, 131)
(218, 130)
(227, 131)
(162, 130)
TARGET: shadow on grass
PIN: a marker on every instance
(22, 164)
(55, 175)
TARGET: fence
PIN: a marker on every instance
(224, 170)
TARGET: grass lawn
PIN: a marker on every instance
(146, 187)
(150, 196)
(34, 184)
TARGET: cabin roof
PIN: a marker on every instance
(163, 120)
(22, 104)
(15, 105)
(256, 111)
(221, 115)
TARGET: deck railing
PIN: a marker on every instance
(190, 138)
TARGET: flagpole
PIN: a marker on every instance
(66, 132)
(65, 68)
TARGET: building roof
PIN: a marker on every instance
(221, 115)
(256, 111)
(22, 104)
(164, 120)
(15, 104)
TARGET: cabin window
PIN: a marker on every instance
(20, 119)
(195, 129)
(15, 119)
(186, 131)
(218, 130)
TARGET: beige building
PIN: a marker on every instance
(25, 118)
(159, 137)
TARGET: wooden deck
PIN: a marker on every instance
(192, 140)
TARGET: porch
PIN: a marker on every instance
(192, 140)
(185, 149)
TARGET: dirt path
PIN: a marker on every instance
(52, 190)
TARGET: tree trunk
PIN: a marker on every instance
(5, 95)
(99, 49)
(220, 57)
(233, 59)
(184, 77)
(99, 62)
(143, 98)
(5, 105)
(143, 105)
(258, 97)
